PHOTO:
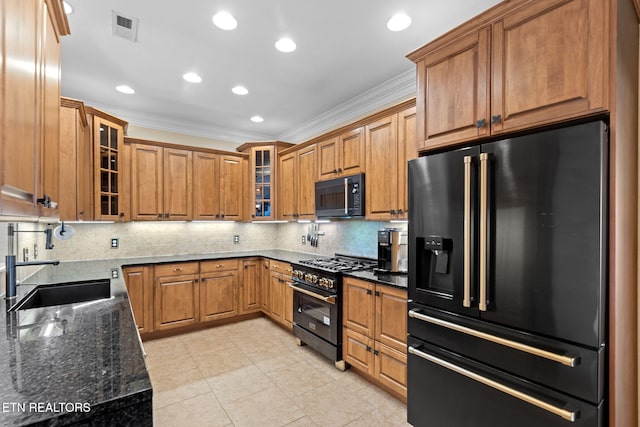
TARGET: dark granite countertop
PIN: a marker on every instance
(87, 356)
(395, 280)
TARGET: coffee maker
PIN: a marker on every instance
(392, 251)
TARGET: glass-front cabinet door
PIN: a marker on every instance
(263, 184)
(108, 149)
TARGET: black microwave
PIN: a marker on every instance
(340, 197)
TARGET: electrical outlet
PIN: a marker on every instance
(35, 251)
(115, 243)
(236, 239)
(114, 273)
(304, 239)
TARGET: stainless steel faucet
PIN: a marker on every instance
(11, 264)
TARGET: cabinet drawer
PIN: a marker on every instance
(219, 265)
(176, 269)
(281, 267)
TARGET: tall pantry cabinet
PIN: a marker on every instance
(29, 107)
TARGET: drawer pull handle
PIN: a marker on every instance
(565, 360)
(177, 269)
(563, 413)
(219, 265)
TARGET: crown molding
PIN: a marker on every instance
(168, 124)
(393, 91)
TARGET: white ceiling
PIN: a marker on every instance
(344, 51)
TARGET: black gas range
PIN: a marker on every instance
(317, 301)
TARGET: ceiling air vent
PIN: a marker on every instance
(124, 26)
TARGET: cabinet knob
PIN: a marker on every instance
(399, 211)
(496, 119)
(392, 211)
(222, 215)
(159, 215)
(339, 170)
(81, 213)
(166, 215)
(217, 215)
(335, 171)
(481, 123)
(369, 292)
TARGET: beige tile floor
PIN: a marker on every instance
(252, 373)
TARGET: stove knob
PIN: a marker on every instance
(299, 274)
(307, 277)
(330, 283)
(324, 283)
(314, 278)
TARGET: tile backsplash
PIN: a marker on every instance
(93, 240)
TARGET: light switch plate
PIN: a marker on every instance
(114, 273)
(115, 243)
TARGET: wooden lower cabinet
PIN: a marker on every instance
(277, 297)
(176, 301)
(375, 332)
(250, 286)
(218, 295)
(139, 281)
(280, 294)
(265, 287)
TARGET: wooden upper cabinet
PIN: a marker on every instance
(305, 180)
(382, 161)
(76, 177)
(177, 184)
(206, 181)
(390, 143)
(147, 182)
(29, 105)
(407, 150)
(520, 65)
(549, 63)
(288, 186)
(453, 91)
(297, 177)
(108, 148)
(232, 172)
(342, 156)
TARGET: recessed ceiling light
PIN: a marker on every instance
(192, 77)
(398, 22)
(257, 119)
(224, 21)
(125, 89)
(240, 90)
(285, 45)
(67, 8)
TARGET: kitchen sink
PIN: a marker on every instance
(64, 293)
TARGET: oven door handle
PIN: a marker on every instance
(330, 300)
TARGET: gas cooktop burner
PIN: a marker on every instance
(340, 264)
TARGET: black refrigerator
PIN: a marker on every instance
(508, 282)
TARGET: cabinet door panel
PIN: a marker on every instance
(277, 297)
(177, 184)
(548, 62)
(250, 295)
(288, 187)
(391, 317)
(146, 182)
(453, 91)
(391, 368)
(306, 180)
(265, 288)
(382, 162)
(407, 150)
(206, 197)
(358, 306)
(357, 350)
(176, 301)
(139, 281)
(20, 126)
(218, 295)
(232, 172)
(328, 159)
(352, 152)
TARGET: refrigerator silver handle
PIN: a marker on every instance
(555, 357)
(561, 412)
(484, 161)
(467, 232)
